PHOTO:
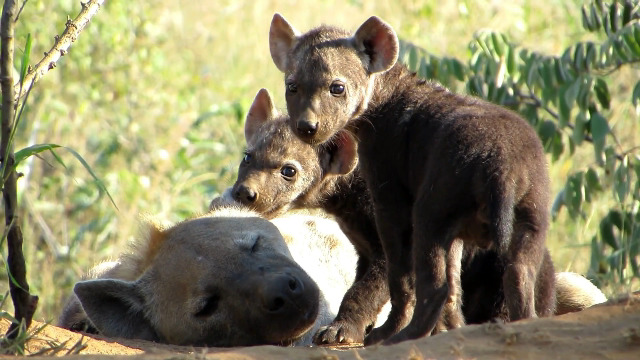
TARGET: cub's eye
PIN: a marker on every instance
(288, 172)
(208, 307)
(246, 158)
(336, 88)
(292, 87)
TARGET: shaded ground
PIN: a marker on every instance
(608, 331)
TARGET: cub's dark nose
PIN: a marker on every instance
(306, 128)
(245, 195)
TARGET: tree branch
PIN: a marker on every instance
(24, 303)
(60, 47)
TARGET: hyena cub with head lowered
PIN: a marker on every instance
(280, 172)
(441, 168)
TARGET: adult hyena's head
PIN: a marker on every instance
(278, 170)
(224, 279)
(329, 73)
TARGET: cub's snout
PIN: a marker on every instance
(244, 194)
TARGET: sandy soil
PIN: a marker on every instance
(608, 331)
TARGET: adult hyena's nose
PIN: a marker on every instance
(306, 128)
(282, 293)
(245, 194)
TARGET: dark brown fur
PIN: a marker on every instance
(440, 167)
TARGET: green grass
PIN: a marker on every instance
(153, 96)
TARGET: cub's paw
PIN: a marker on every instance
(338, 332)
(378, 335)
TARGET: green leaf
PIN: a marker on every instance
(630, 40)
(423, 70)
(599, 130)
(498, 45)
(579, 57)
(584, 95)
(627, 9)
(635, 97)
(558, 203)
(586, 21)
(511, 61)
(571, 94)
(547, 131)
(595, 18)
(602, 93)
(25, 58)
(533, 72)
(579, 127)
(483, 45)
(620, 50)
(547, 73)
(621, 183)
(413, 59)
(591, 60)
(474, 86)
(614, 17)
(457, 68)
(561, 73)
(564, 113)
(574, 194)
(24, 153)
(592, 180)
(557, 147)
(606, 232)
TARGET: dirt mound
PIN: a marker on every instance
(607, 331)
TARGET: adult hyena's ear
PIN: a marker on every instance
(341, 154)
(261, 111)
(377, 40)
(116, 308)
(282, 38)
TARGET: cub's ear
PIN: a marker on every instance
(376, 39)
(341, 154)
(116, 308)
(261, 111)
(282, 38)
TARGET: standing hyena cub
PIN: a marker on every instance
(441, 168)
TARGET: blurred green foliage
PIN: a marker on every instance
(153, 96)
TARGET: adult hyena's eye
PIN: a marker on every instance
(208, 306)
(292, 87)
(288, 172)
(336, 88)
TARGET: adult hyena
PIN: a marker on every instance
(441, 168)
(223, 279)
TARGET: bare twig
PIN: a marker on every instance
(20, 11)
(61, 45)
(24, 303)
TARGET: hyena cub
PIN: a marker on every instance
(441, 168)
(280, 172)
(272, 148)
